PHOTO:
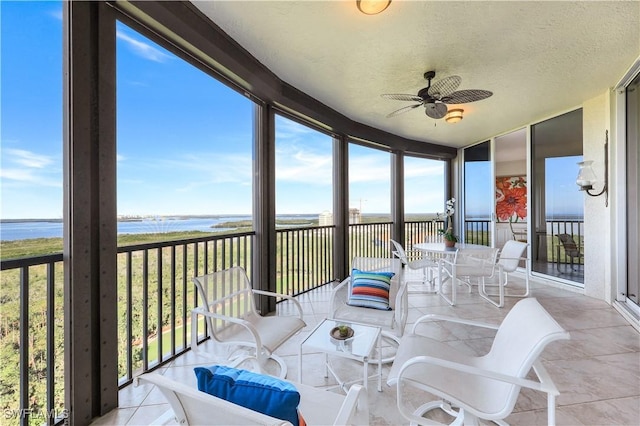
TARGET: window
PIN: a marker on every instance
(369, 185)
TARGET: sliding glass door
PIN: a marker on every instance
(633, 186)
(478, 194)
(557, 205)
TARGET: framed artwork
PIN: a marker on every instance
(511, 198)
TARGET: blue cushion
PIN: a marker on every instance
(370, 289)
(258, 392)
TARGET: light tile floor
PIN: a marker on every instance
(597, 371)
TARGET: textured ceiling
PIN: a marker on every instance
(538, 58)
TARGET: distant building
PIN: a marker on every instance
(325, 218)
(354, 216)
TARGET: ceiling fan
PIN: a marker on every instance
(436, 96)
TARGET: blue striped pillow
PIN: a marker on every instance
(370, 289)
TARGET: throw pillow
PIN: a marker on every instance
(258, 392)
(370, 289)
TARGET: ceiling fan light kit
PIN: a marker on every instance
(454, 115)
(436, 96)
(372, 7)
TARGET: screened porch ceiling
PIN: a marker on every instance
(538, 58)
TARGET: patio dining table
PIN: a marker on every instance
(442, 252)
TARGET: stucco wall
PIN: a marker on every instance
(597, 222)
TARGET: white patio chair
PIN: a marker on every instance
(416, 260)
(189, 406)
(478, 387)
(234, 324)
(509, 259)
(469, 266)
(392, 321)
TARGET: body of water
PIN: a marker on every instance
(11, 231)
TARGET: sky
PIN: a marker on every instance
(184, 140)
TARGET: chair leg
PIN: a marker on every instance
(453, 279)
(395, 341)
(482, 291)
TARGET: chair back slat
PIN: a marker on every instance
(226, 292)
(510, 255)
(521, 338)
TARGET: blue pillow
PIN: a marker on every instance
(370, 289)
(258, 392)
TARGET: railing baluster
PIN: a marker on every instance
(51, 305)
(159, 309)
(186, 284)
(173, 301)
(24, 345)
(145, 309)
(129, 296)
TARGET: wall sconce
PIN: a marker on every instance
(453, 115)
(586, 177)
(372, 7)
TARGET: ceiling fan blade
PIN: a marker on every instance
(401, 97)
(402, 110)
(444, 87)
(435, 110)
(466, 96)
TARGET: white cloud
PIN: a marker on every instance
(369, 168)
(28, 176)
(142, 49)
(26, 158)
(297, 164)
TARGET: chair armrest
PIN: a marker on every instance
(547, 386)
(282, 296)
(355, 408)
(246, 324)
(338, 296)
(402, 306)
(436, 317)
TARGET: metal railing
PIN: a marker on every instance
(154, 283)
(555, 249)
(477, 232)
(156, 295)
(304, 259)
(369, 240)
(32, 338)
(422, 232)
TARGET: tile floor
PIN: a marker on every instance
(597, 371)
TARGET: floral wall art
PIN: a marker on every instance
(511, 198)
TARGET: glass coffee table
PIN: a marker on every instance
(359, 347)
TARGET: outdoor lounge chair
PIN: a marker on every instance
(571, 250)
(415, 260)
(478, 387)
(228, 305)
(391, 321)
(189, 406)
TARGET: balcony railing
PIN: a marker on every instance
(477, 232)
(156, 295)
(554, 248)
(32, 340)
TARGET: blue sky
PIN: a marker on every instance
(184, 139)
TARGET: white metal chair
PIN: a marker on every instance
(478, 387)
(471, 264)
(228, 306)
(415, 260)
(189, 406)
(393, 321)
(512, 253)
